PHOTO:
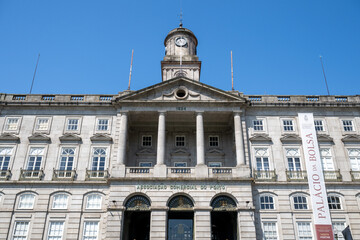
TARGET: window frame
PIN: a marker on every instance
(323, 125)
(343, 126)
(214, 136)
(328, 157)
(254, 125)
(269, 196)
(75, 156)
(356, 159)
(107, 151)
(263, 230)
(336, 222)
(84, 237)
(54, 199)
(11, 157)
(215, 164)
(178, 164)
(18, 125)
(142, 140)
(267, 155)
(308, 223)
(294, 125)
(331, 203)
(97, 124)
(21, 198)
(36, 124)
(27, 229)
(176, 141)
(79, 124)
(88, 204)
(26, 166)
(62, 230)
(145, 164)
(287, 156)
(301, 195)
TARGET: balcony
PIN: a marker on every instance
(265, 175)
(31, 174)
(180, 172)
(296, 176)
(355, 175)
(139, 172)
(332, 176)
(5, 174)
(97, 175)
(64, 175)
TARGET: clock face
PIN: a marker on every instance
(180, 41)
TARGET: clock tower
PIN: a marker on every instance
(180, 55)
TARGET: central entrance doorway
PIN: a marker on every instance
(180, 219)
(223, 219)
(137, 219)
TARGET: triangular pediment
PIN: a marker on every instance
(290, 138)
(181, 89)
(146, 152)
(324, 138)
(101, 137)
(180, 152)
(351, 138)
(260, 138)
(215, 152)
(38, 137)
(8, 137)
(69, 137)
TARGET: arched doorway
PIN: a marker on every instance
(137, 218)
(223, 219)
(180, 219)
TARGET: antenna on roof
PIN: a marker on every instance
(181, 15)
(232, 73)
(32, 83)
(322, 65)
(132, 56)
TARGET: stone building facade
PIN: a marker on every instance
(177, 160)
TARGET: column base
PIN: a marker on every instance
(160, 170)
(201, 171)
(118, 171)
(242, 171)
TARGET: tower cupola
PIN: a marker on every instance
(180, 55)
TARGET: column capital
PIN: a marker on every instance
(237, 112)
(124, 112)
(162, 112)
(199, 112)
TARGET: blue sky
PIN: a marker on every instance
(86, 45)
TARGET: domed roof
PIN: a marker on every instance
(181, 30)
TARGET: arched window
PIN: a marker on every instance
(93, 201)
(26, 201)
(334, 201)
(267, 201)
(180, 202)
(138, 202)
(60, 201)
(223, 203)
(300, 202)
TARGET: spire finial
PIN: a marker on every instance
(181, 15)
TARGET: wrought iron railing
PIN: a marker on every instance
(96, 174)
(5, 174)
(296, 175)
(355, 175)
(31, 174)
(265, 175)
(64, 174)
(332, 176)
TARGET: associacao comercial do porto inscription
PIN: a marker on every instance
(180, 187)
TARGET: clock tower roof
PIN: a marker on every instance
(182, 31)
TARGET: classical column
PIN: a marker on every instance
(202, 224)
(239, 141)
(122, 138)
(200, 152)
(160, 156)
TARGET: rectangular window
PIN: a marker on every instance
(267, 202)
(300, 202)
(145, 164)
(56, 229)
(36, 155)
(215, 164)
(12, 123)
(42, 124)
(60, 201)
(258, 125)
(293, 158)
(180, 141)
(354, 158)
(319, 126)
(338, 227)
(21, 229)
(304, 230)
(326, 159)
(102, 124)
(334, 202)
(214, 141)
(5, 156)
(91, 230)
(288, 125)
(26, 201)
(72, 124)
(348, 125)
(269, 231)
(262, 159)
(180, 164)
(67, 159)
(93, 201)
(98, 159)
(146, 141)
